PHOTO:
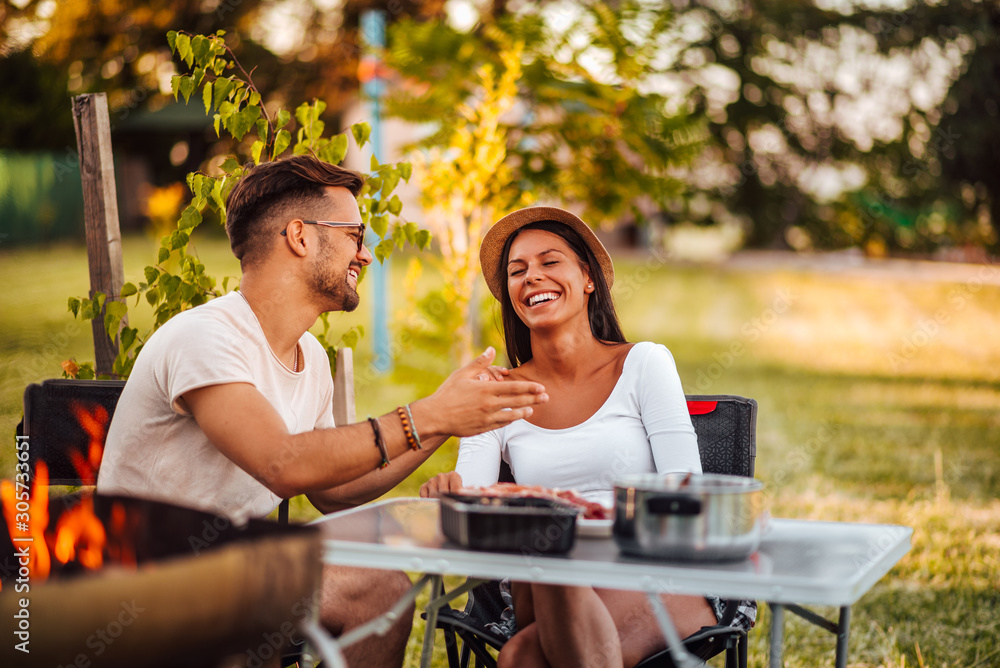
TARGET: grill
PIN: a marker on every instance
(177, 587)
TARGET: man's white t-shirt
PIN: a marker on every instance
(155, 448)
(643, 427)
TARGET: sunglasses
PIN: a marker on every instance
(336, 223)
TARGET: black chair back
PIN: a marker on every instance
(63, 418)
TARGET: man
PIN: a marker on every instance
(229, 405)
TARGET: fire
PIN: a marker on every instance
(27, 517)
(95, 424)
(80, 536)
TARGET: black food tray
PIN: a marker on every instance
(509, 524)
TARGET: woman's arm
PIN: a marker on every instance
(665, 415)
(478, 466)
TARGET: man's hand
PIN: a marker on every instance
(440, 484)
(464, 405)
(495, 373)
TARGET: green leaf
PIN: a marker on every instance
(423, 239)
(128, 337)
(230, 165)
(152, 273)
(395, 205)
(175, 85)
(335, 149)
(200, 46)
(178, 240)
(350, 338)
(405, 170)
(361, 132)
(187, 87)
(389, 184)
(222, 89)
(206, 97)
(399, 236)
(410, 229)
(152, 296)
(379, 225)
(163, 255)
(255, 150)
(262, 129)
(383, 250)
(190, 218)
(302, 114)
(198, 76)
(128, 290)
(183, 43)
(281, 119)
(74, 306)
(218, 194)
(281, 142)
(240, 123)
(113, 314)
(374, 163)
(172, 40)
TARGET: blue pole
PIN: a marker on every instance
(373, 34)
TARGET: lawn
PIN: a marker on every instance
(879, 395)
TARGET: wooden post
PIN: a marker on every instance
(100, 206)
(343, 388)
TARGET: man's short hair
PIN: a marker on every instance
(258, 206)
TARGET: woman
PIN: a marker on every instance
(614, 408)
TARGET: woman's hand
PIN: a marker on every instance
(441, 484)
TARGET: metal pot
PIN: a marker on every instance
(688, 517)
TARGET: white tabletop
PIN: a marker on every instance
(806, 562)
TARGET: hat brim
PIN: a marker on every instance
(491, 250)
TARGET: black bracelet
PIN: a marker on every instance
(380, 442)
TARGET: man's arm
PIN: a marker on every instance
(374, 483)
(244, 426)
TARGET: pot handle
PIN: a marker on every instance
(673, 504)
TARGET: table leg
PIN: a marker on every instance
(682, 658)
(432, 618)
(843, 635)
(775, 659)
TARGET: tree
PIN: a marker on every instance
(793, 90)
(593, 136)
(465, 186)
(178, 280)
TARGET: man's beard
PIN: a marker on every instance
(328, 281)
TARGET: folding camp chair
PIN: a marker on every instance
(726, 428)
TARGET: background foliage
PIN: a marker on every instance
(178, 280)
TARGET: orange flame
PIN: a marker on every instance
(27, 518)
(95, 425)
(122, 550)
(80, 536)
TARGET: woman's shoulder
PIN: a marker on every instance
(646, 353)
(522, 372)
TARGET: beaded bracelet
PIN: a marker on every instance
(412, 439)
(413, 427)
(380, 442)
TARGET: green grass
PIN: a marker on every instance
(879, 402)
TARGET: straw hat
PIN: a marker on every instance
(491, 250)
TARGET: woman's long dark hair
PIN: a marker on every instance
(600, 308)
